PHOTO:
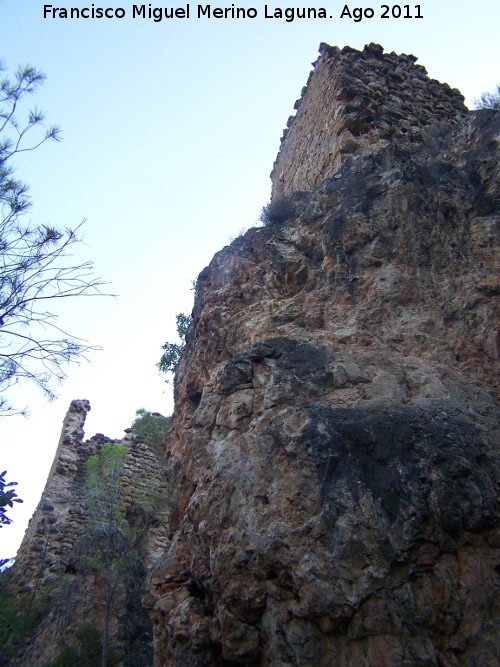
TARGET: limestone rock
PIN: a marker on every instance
(335, 440)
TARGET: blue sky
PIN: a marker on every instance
(170, 132)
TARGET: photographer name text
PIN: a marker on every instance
(288, 14)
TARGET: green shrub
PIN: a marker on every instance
(89, 638)
(153, 427)
(69, 657)
(171, 351)
(170, 358)
(330, 199)
(89, 653)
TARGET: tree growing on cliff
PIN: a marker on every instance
(172, 351)
(35, 269)
(152, 426)
(103, 494)
(489, 100)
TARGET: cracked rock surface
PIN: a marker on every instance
(335, 442)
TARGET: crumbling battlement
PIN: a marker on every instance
(55, 524)
(51, 566)
(354, 103)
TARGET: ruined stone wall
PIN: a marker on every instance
(354, 103)
(52, 574)
(55, 524)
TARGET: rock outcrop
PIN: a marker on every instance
(335, 441)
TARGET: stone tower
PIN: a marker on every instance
(355, 103)
(52, 530)
(55, 580)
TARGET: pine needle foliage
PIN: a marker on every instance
(36, 268)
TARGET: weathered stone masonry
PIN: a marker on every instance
(51, 562)
(354, 103)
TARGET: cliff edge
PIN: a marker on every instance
(335, 440)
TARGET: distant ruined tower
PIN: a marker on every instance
(354, 103)
(53, 578)
(55, 524)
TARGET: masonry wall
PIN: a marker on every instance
(57, 519)
(59, 591)
(354, 103)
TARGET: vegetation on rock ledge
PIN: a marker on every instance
(278, 210)
(172, 351)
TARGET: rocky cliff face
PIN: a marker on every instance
(335, 442)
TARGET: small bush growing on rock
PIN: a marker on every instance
(278, 210)
(489, 100)
(172, 351)
(241, 231)
(67, 658)
(88, 655)
(151, 426)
